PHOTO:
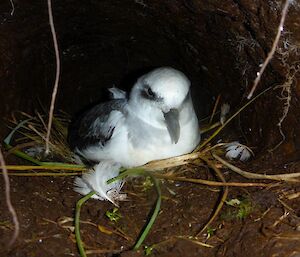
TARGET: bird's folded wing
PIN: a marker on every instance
(98, 125)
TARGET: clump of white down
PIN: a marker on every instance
(235, 150)
(96, 180)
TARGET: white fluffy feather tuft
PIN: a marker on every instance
(96, 180)
(235, 150)
(225, 108)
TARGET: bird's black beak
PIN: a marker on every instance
(172, 122)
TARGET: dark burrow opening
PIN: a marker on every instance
(219, 45)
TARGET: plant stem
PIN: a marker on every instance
(44, 174)
(39, 163)
(29, 167)
(141, 171)
(154, 214)
(79, 203)
(230, 119)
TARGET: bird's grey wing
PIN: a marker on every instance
(97, 126)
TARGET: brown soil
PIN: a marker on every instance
(219, 45)
(45, 207)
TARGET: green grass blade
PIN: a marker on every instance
(39, 163)
(10, 135)
(154, 214)
(127, 172)
(23, 155)
(79, 203)
(140, 171)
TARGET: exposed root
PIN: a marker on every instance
(8, 202)
(223, 198)
(273, 49)
(289, 177)
(12, 8)
(208, 182)
(51, 111)
(287, 51)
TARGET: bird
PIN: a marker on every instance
(156, 120)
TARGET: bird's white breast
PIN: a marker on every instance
(135, 142)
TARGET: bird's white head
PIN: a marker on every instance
(158, 97)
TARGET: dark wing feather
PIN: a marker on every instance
(94, 127)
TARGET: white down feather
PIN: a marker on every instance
(96, 180)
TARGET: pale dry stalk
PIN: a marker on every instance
(8, 202)
(273, 49)
(54, 93)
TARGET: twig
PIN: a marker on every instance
(215, 108)
(195, 240)
(56, 76)
(280, 177)
(223, 198)
(8, 202)
(208, 182)
(273, 49)
(12, 8)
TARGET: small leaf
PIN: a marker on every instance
(105, 230)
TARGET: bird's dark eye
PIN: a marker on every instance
(150, 93)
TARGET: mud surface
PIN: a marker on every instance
(267, 226)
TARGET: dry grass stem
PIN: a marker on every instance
(44, 174)
(188, 238)
(103, 251)
(195, 241)
(286, 206)
(171, 162)
(292, 236)
(223, 198)
(8, 202)
(293, 196)
(281, 218)
(25, 167)
(51, 111)
(35, 130)
(281, 177)
(214, 109)
(217, 131)
(273, 49)
(208, 182)
(20, 146)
